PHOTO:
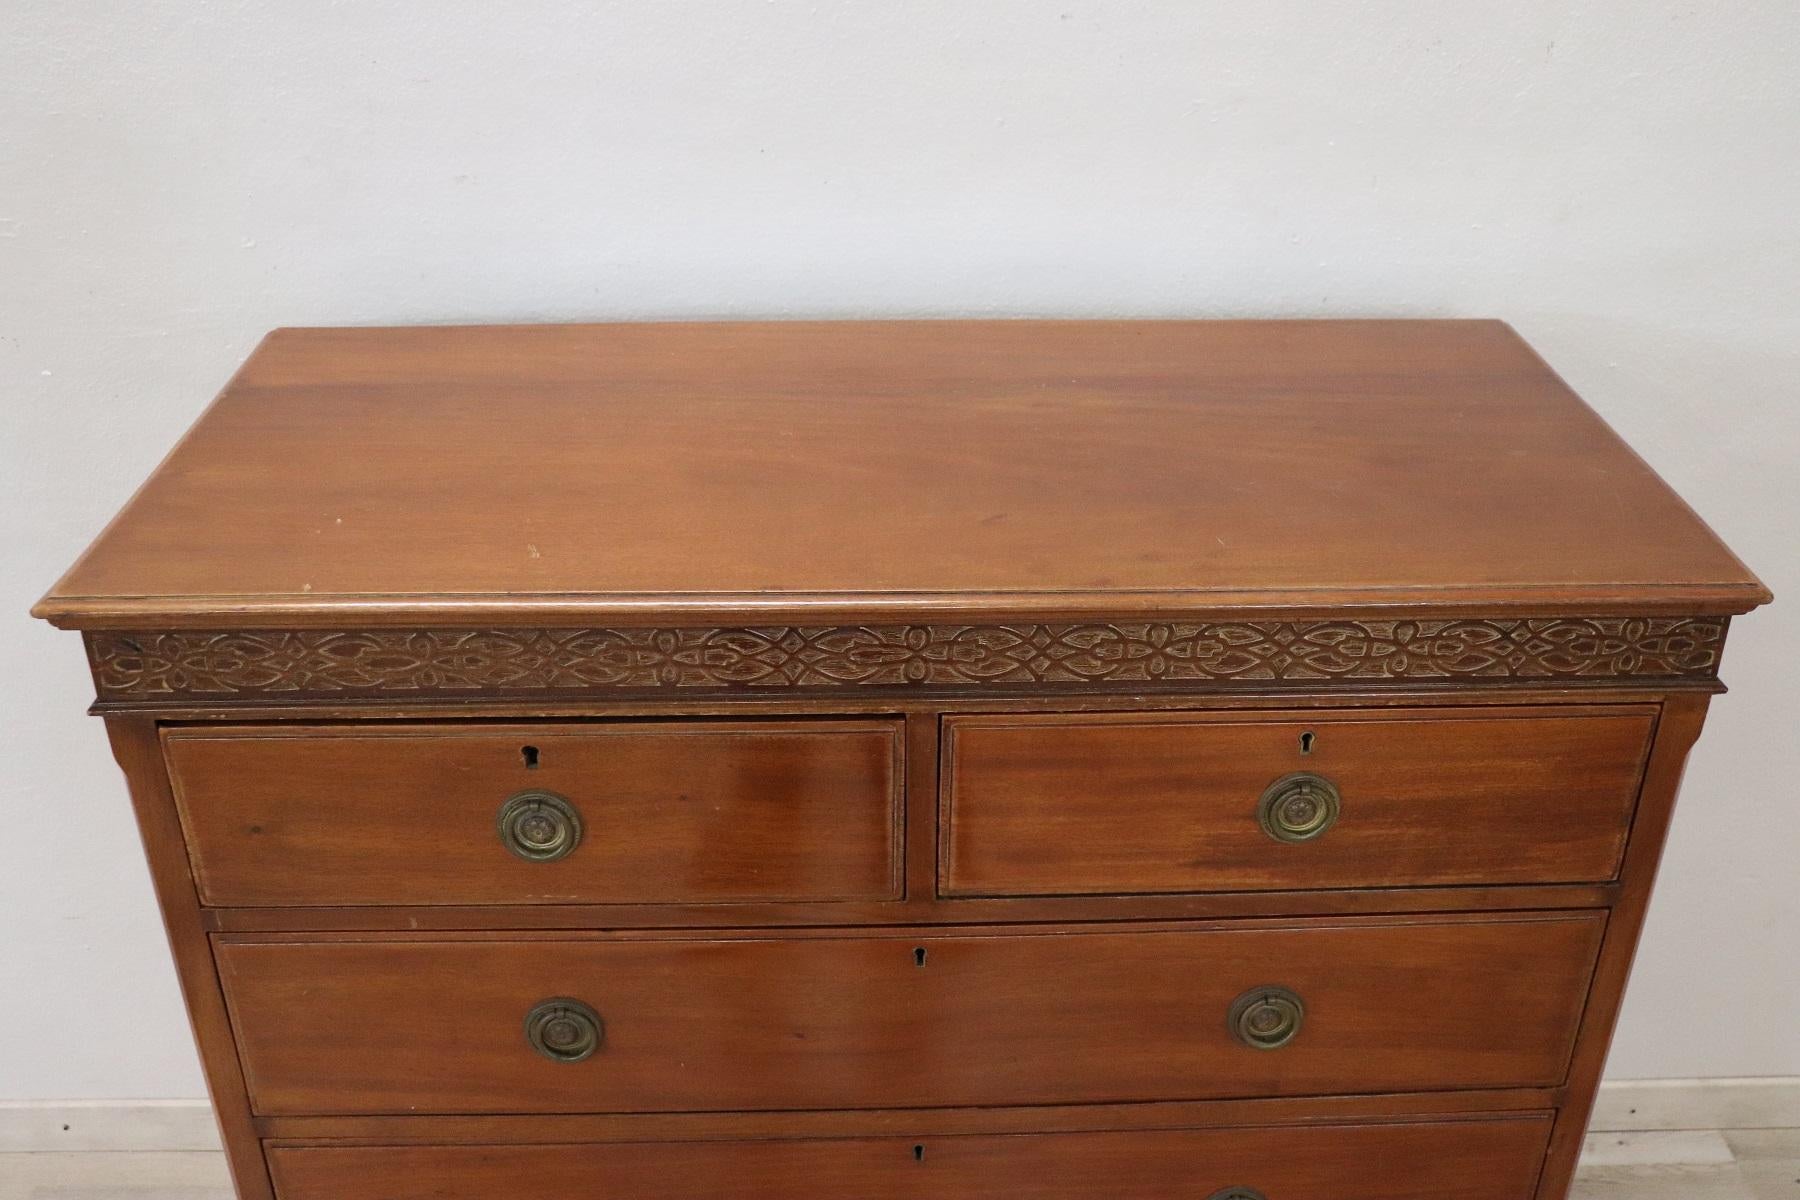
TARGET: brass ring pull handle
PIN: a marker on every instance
(1298, 807)
(1237, 1193)
(564, 1030)
(1266, 1018)
(539, 826)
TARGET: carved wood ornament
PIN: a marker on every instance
(214, 664)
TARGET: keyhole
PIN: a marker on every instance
(918, 956)
(530, 756)
(1306, 742)
(919, 1153)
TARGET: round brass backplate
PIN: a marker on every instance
(1266, 1018)
(564, 1030)
(539, 826)
(1298, 807)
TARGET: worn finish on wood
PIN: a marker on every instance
(824, 473)
(1470, 1160)
(438, 662)
(1114, 803)
(921, 779)
(670, 812)
(1080, 1015)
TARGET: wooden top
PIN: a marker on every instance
(818, 472)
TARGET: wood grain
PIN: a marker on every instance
(807, 473)
(674, 812)
(429, 1025)
(1472, 1160)
(1040, 804)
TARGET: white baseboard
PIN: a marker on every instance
(1624, 1106)
(86, 1125)
(1630, 1105)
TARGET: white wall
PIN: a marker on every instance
(1619, 179)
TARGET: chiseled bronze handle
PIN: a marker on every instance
(564, 1030)
(1237, 1193)
(1298, 807)
(539, 826)
(1266, 1018)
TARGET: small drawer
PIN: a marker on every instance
(508, 1024)
(1495, 1158)
(1136, 803)
(596, 813)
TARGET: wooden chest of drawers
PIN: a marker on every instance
(917, 760)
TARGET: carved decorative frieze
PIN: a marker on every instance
(450, 662)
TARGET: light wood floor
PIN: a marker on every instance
(1761, 1164)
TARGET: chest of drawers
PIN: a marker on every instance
(1060, 760)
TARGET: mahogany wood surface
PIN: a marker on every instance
(385, 1025)
(1677, 730)
(552, 1128)
(798, 472)
(918, 909)
(1103, 803)
(917, 684)
(1470, 1160)
(135, 747)
(672, 812)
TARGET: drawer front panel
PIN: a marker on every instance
(1144, 803)
(1495, 1159)
(430, 1025)
(655, 812)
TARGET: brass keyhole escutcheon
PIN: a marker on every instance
(1298, 807)
(564, 1030)
(539, 826)
(1266, 1018)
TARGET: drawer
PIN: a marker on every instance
(1481, 1159)
(602, 812)
(1186, 802)
(375, 1024)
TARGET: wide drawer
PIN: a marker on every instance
(591, 812)
(1490, 1159)
(395, 1024)
(1187, 802)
